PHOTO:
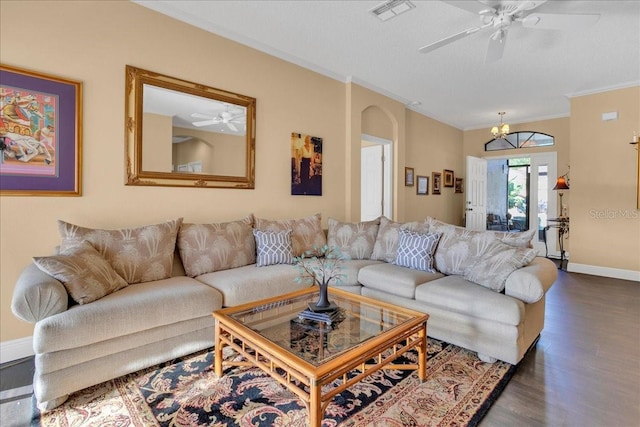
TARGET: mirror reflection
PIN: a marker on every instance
(186, 134)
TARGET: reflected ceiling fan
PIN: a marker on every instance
(225, 117)
(498, 16)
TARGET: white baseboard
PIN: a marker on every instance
(595, 270)
(16, 349)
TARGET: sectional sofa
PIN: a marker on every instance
(111, 302)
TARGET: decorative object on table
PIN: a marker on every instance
(436, 178)
(562, 183)
(40, 134)
(408, 177)
(448, 177)
(328, 318)
(306, 165)
(423, 185)
(459, 185)
(321, 267)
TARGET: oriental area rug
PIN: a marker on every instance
(185, 392)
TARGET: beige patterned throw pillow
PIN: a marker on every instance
(307, 233)
(85, 274)
(386, 246)
(138, 254)
(460, 248)
(218, 246)
(497, 262)
(356, 240)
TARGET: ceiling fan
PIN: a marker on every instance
(499, 15)
(225, 117)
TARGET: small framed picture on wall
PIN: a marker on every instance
(408, 177)
(436, 182)
(448, 177)
(423, 185)
(459, 185)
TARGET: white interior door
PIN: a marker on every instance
(476, 194)
(376, 179)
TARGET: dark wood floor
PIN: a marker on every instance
(584, 370)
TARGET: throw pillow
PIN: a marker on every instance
(218, 246)
(273, 247)
(459, 248)
(307, 233)
(356, 240)
(386, 246)
(415, 250)
(140, 254)
(85, 274)
(497, 262)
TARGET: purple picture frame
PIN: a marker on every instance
(40, 134)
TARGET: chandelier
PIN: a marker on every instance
(500, 132)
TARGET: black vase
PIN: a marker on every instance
(323, 303)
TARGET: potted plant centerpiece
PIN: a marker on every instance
(321, 267)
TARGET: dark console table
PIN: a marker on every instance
(562, 224)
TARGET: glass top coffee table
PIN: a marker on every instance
(364, 335)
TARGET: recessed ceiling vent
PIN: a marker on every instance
(392, 8)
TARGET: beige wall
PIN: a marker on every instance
(431, 147)
(93, 41)
(605, 224)
(219, 153)
(156, 150)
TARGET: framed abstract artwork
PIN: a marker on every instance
(40, 134)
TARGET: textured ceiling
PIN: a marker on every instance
(539, 72)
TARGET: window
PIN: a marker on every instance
(518, 140)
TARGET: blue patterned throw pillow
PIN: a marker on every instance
(273, 247)
(415, 250)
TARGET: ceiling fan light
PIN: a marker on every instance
(494, 131)
(505, 129)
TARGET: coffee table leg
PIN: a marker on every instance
(217, 351)
(422, 353)
(315, 405)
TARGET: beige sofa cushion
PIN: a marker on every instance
(141, 254)
(386, 246)
(307, 235)
(85, 274)
(217, 246)
(455, 294)
(251, 283)
(394, 279)
(356, 240)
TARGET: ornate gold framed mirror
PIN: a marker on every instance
(184, 134)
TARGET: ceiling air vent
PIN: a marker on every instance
(389, 9)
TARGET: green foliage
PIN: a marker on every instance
(320, 266)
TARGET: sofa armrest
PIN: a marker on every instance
(38, 295)
(531, 282)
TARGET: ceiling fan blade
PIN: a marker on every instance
(526, 6)
(450, 39)
(232, 127)
(557, 21)
(497, 41)
(205, 123)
